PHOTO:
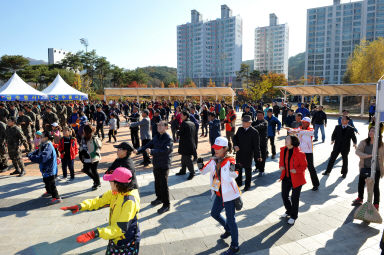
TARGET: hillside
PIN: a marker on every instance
(296, 66)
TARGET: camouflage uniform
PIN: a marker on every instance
(62, 115)
(27, 131)
(37, 112)
(14, 138)
(49, 118)
(32, 115)
(69, 112)
(3, 148)
(4, 113)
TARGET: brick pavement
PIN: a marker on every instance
(324, 226)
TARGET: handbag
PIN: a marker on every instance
(367, 212)
(238, 204)
(365, 172)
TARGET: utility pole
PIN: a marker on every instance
(84, 42)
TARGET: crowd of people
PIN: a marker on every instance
(55, 133)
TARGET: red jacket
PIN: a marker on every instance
(73, 150)
(298, 162)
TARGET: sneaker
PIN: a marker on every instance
(255, 170)
(156, 202)
(261, 174)
(315, 188)
(181, 173)
(163, 209)
(95, 187)
(225, 235)
(21, 174)
(55, 201)
(15, 172)
(70, 179)
(190, 177)
(231, 250)
(325, 173)
(46, 195)
(315, 140)
(376, 206)
(357, 201)
(291, 221)
(284, 215)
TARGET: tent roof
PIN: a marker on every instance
(60, 88)
(15, 86)
(209, 91)
(363, 89)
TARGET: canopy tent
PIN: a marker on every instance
(168, 92)
(340, 90)
(16, 89)
(60, 90)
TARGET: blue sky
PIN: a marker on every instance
(133, 33)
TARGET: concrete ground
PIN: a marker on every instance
(325, 224)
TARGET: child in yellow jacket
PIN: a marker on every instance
(123, 231)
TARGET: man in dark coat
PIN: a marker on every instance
(100, 118)
(247, 146)
(160, 147)
(15, 138)
(187, 144)
(155, 119)
(261, 125)
(135, 117)
(341, 138)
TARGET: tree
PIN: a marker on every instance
(102, 69)
(211, 84)
(117, 76)
(72, 62)
(172, 85)
(264, 84)
(13, 63)
(366, 64)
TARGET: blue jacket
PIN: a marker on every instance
(272, 122)
(161, 149)
(304, 111)
(349, 123)
(46, 157)
(372, 109)
(214, 130)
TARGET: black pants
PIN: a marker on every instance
(204, 126)
(50, 186)
(291, 206)
(90, 169)
(229, 135)
(260, 165)
(145, 154)
(112, 133)
(272, 142)
(161, 184)
(312, 170)
(332, 159)
(135, 138)
(376, 189)
(248, 176)
(370, 116)
(186, 162)
(100, 128)
(66, 162)
(222, 124)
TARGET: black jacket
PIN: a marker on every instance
(249, 144)
(127, 163)
(161, 149)
(134, 117)
(187, 142)
(343, 137)
(276, 109)
(154, 121)
(100, 116)
(319, 118)
(262, 127)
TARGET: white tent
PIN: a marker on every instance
(60, 90)
(17, 89)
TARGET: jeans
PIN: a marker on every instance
(312, 170)
(332, 159)
(291, 206)
(186, 162)
(161, 184)
(66, 162)
(90, 169)
(229, 224)
(317, 126)
(376, 189)
(50, 186)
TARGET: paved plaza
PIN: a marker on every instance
(325, 224)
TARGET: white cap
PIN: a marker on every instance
(306, 119)
(220, 142)
(54, 124)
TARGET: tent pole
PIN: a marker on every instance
(321, 99)
(105, 97)
(362, 106)
(341, 105)
(201, 100)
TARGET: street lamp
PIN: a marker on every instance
(84, 42)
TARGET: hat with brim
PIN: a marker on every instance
(120, 174)
(220, 143)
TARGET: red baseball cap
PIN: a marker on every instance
(120, 174)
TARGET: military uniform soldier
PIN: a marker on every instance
(69, 111)
(62, 114)
(3, 149)
(31, 115)
(4, 113)
(49, 118)
(36, 110)
(14, 138)
(24, 122)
